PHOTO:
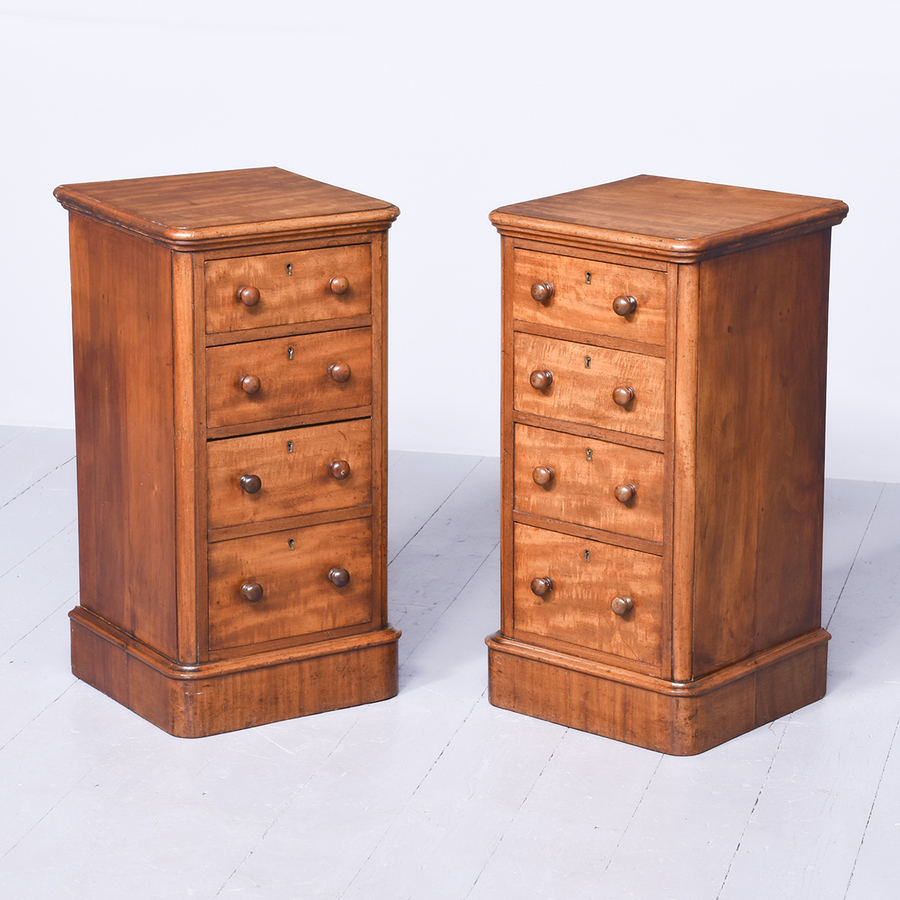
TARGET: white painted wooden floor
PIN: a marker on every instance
(435, 794)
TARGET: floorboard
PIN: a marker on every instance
(436, 794)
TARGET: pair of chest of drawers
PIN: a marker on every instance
(229, 334)
(663, 445)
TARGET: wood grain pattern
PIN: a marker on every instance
(583, 295)
(123, 334)
(587, 576)
(215, 209)
(293, 468)
(760, 449)
(668, 218)
(720, 415)
(293, 287)
(293, 375)
(292, 567)
(584, 393)
(585, 476)
(183, 446)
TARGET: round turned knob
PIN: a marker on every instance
(543, 474)
(339, 285)
(340, 469)
(541, 379)
(541, 586)
(542, 291)
(250, 384)
(622, 605)
(249, 296)
(624, 306)
(250, 483)
(340, 372)
(625, 493)
(338, 576)
(252, 591)
(623, 395)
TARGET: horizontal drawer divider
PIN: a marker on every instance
(291, 523)
(589, 431)
(267, 425)
(276, 331)
(591, 534)
(594, 340)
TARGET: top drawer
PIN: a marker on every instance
(286, 288)
(581, 293)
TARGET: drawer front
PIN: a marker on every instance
(284, 288)
(287, 473)
(579, 383)
(260, 380)
(589, 482)
(586, 578)
(581, 294)
(291, 569)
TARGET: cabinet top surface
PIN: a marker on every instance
(668, 216)
(193, 210)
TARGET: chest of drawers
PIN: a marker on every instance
(663, 444)
(230, 375)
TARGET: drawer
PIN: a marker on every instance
(579, 383)
(290, 572)
(287, 473)
(586, 577)
(575, 479)
(582, 293)
(273, 379)
(284, 288)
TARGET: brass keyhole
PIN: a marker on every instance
(290, 446)
(587, 277)
(590, 454)
(291, 544)
(587, 362)
(290, 268)
(290, 352)
(587, 555)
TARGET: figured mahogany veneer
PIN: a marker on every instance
(663, 446)
(230, 394)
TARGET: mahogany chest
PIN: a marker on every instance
(230, 397)
(663, 406)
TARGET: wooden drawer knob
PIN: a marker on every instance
(543, 474)
(540, 587)
(339, 285)
(338, 576)
(624, 306)
(542, 291)
(622, 605)
(250, 484)
(340, 372)
(249, 296)
(541, 379)
(250, 384)
(252, 591)
(339, 469)
(622, 396)
(625, 493)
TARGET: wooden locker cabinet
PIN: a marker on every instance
(230, 377)
(663, 404)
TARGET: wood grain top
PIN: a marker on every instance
(668, 217)
(215, 208)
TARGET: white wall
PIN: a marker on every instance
(450, 111)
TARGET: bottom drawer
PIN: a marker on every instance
(568, 590)
(290, 584)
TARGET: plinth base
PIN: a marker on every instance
(211, 698)
(681, 719)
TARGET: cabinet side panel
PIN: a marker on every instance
(379, 267)
(122, 332)
(760, 448)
